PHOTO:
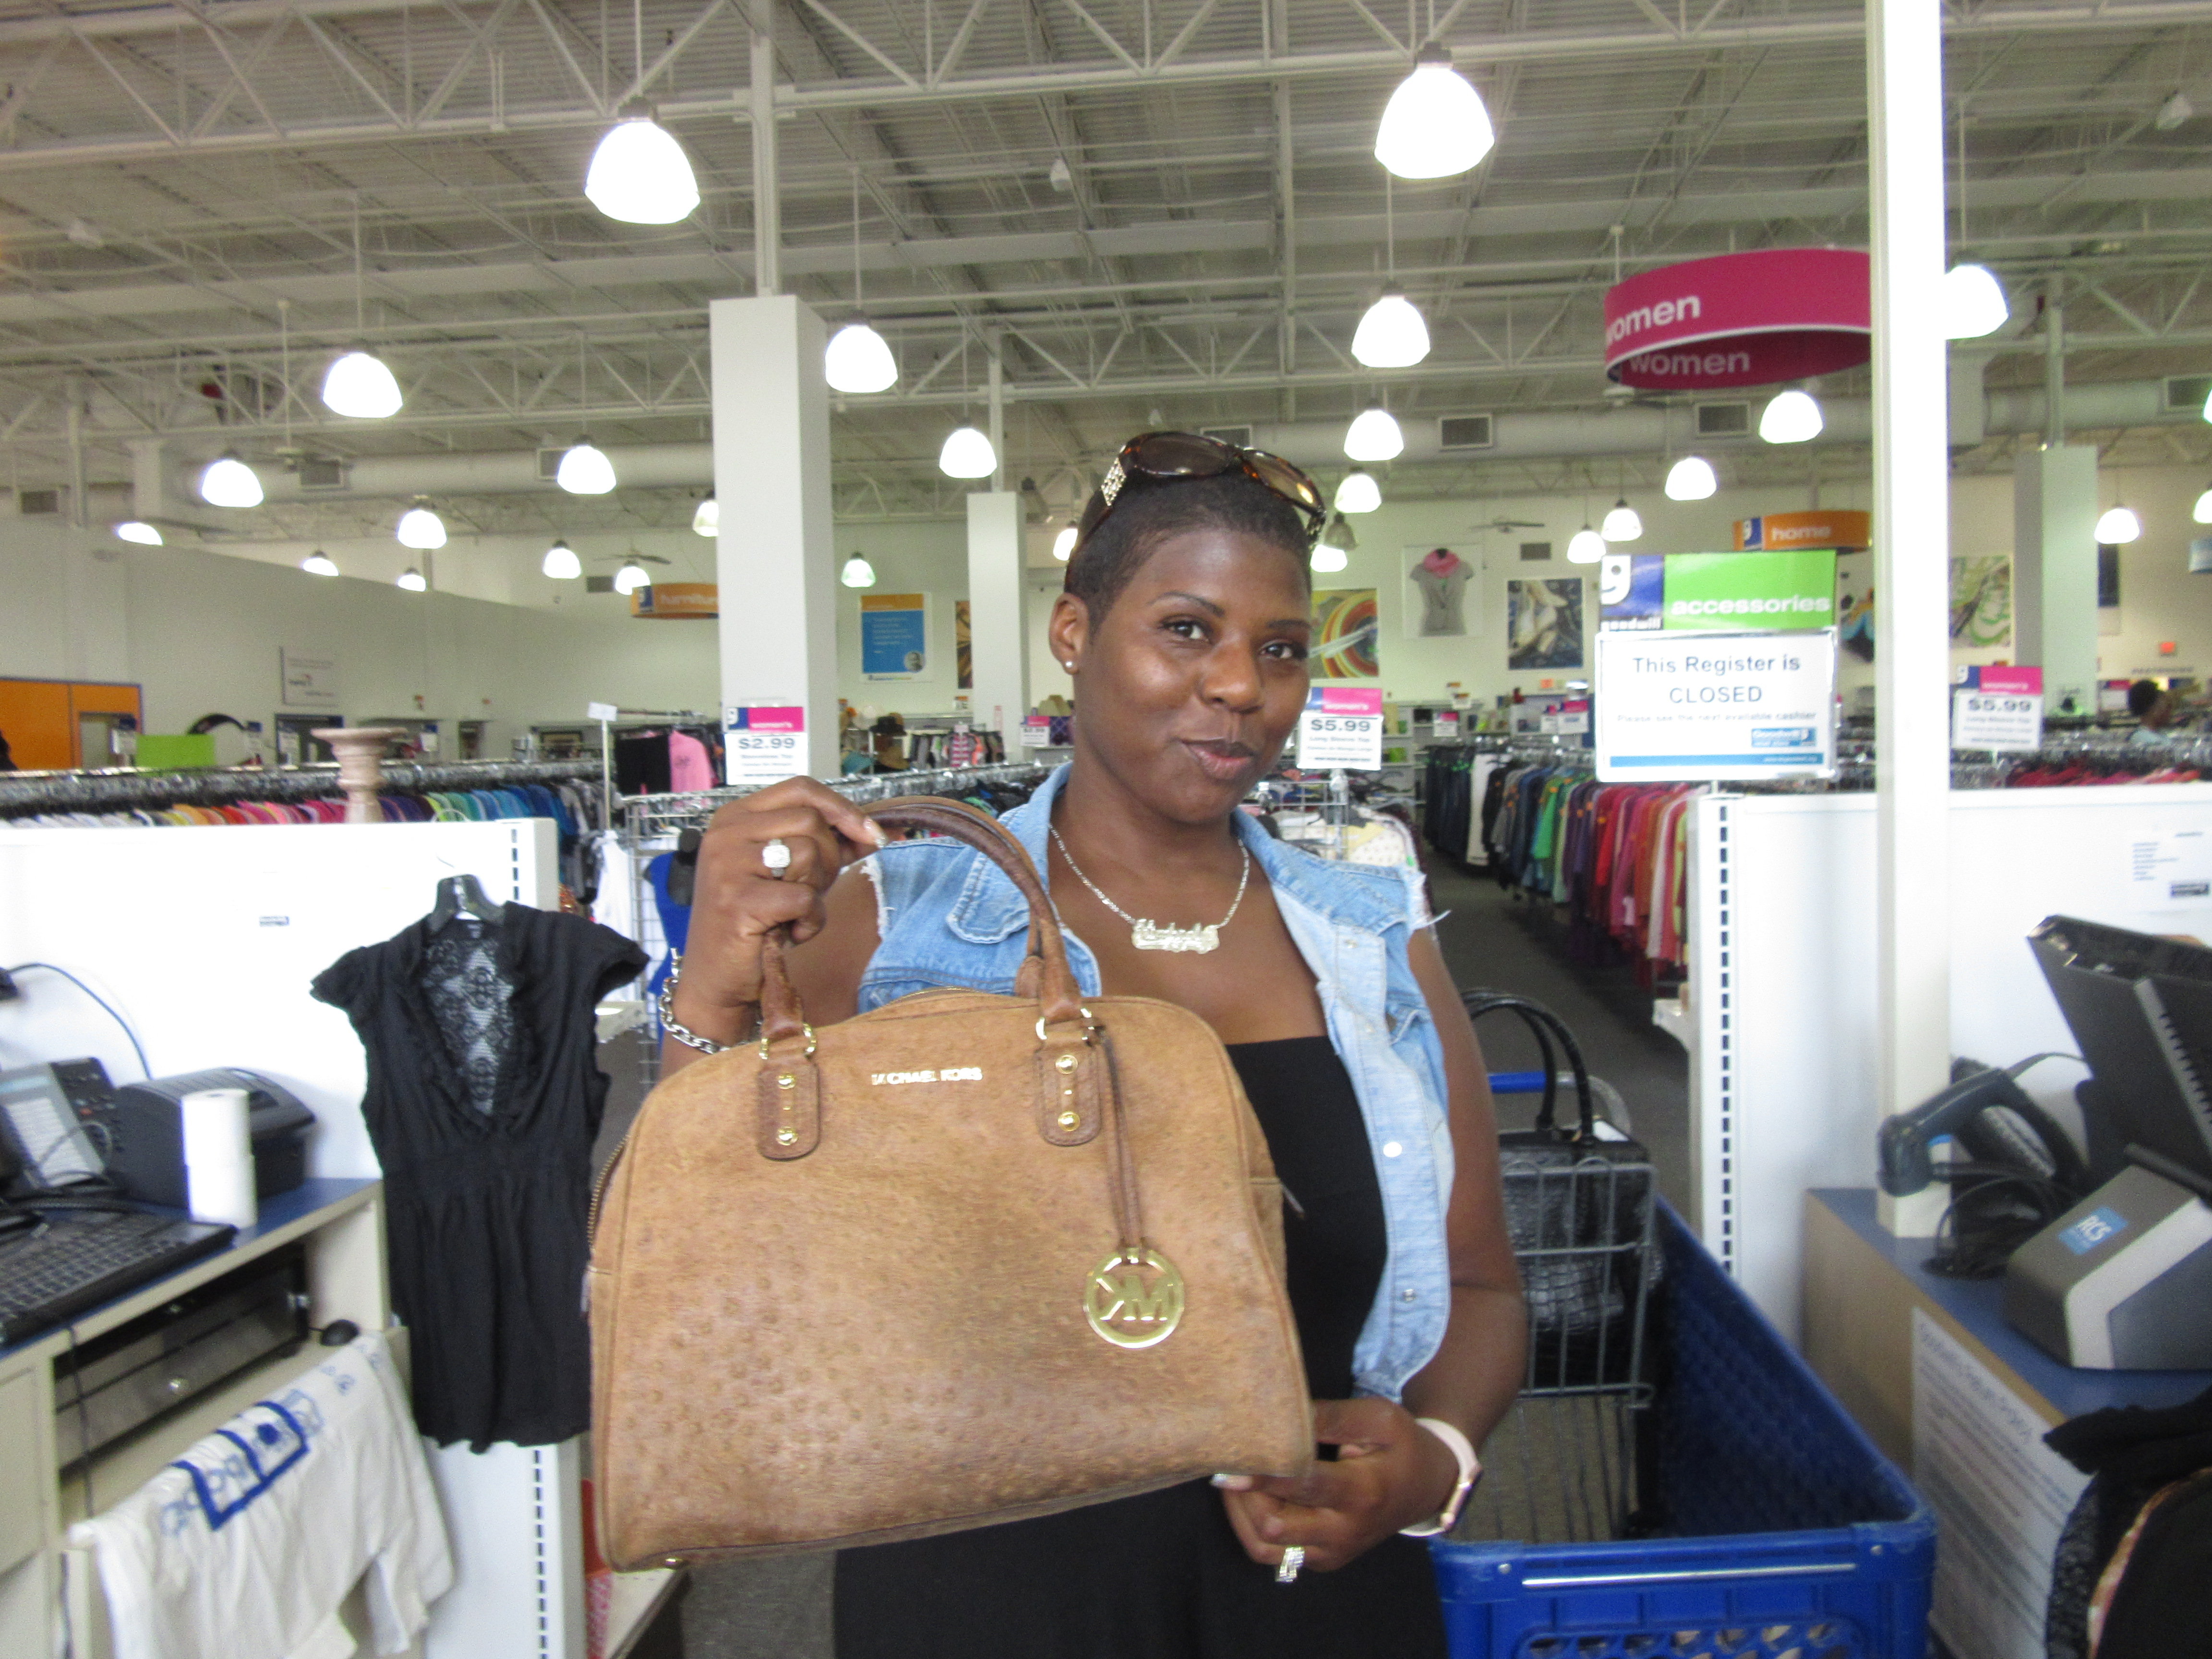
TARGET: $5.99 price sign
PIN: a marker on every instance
(1996, 720)
(764, 744)
(1342, 727)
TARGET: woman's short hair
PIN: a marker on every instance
(1146, 511)
(2142, 697)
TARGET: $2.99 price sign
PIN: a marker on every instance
(764, 744)
(1342, 727)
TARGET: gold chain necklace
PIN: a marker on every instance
(1149, 935)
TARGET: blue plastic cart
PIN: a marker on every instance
(1778, 1529)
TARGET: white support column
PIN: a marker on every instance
(997, 626)
(1912, 566)
(774, 559)
(768, 205)
(2054, 571)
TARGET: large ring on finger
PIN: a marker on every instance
(1293, 1559)
(776, 856)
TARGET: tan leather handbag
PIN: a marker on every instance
(964, 1259)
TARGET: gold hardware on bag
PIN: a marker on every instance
(1066, 1062)
(1132, 1311)
(785, 1136)
(1069, 1120)
(787, 1081)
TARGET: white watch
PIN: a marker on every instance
(1470, 1471)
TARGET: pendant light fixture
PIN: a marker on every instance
(1586, 546)
(2202, 512)
(1691, 479)
(561, 563)
(421, 528)
(138, 531)
(857, 572)
(707, 517)
(319, 563)
(585, 469)
(1063, 544)
(1334, 550)
(2207, 411)
(1972, 302)
(1374, 437)
(1359, 493)
(2118, 527)
(412, 579)
(229, 482)
(858, 359)
(632, 576)
(1392, 334)
(639, 173)
(1435, 124)
(1790, 417)
(967, 454)
(359, 384)
(1622, 524)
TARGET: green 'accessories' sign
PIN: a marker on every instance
(1740, 591)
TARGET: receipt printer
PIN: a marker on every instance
(145, 1139)
(2122, 1281)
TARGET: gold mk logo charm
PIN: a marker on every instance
(1135, 1298)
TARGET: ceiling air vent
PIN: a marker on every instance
(1724, 419)
(38, 504)
(1239, 435)
(1534, 552)
(2187, 391)
(322, 472)
(1464, 432)
(599, 584)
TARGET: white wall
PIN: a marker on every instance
(201, 632)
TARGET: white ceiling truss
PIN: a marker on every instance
(182, 185)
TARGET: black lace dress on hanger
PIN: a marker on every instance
(485, 1095)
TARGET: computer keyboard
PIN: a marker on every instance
(81, 1259)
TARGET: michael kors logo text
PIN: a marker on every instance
(948, 1074)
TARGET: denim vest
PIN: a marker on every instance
(947, 916)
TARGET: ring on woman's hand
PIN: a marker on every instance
(776, 856)
(1287, 1568)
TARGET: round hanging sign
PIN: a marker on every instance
(1740, 319)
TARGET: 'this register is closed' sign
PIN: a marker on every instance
(1714, 706)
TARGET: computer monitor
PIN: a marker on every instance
(2140, 1007)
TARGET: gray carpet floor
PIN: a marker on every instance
(779, 1608)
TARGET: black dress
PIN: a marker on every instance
(1161, 1576)
(484, 1094)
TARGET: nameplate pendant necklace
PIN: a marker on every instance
(1146, 934)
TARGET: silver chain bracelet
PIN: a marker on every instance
(670, 1025)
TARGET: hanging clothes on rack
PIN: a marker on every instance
(483, 1099)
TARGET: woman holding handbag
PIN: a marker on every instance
(1185, 624)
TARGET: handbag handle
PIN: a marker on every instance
(1062, 999)
(1539, 1020)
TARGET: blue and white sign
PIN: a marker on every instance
(2093, 1229)
(1693, 706)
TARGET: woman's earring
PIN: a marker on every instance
(1069, 667)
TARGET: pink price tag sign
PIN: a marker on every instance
(2011, 682)
(788, 718)
(1344, 700)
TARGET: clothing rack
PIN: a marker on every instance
(24, 795)
(606, 716)
(648, 818)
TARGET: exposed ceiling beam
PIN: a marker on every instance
(922, 86)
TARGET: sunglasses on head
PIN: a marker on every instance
(1180, 457)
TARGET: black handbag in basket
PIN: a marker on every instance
(1578, 1207)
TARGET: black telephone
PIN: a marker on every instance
(45, 1110)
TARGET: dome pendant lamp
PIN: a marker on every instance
(2202, 512)
(1790, 417)
(1691, 479)
(561, 563)
(585, 470)
(967, 454)
(1392, 334)
(1374, 437)
(632, 576)
(1063, 544)
(1586, 546)
(229, 482)
(640, 174)
(707, 518)
(857, 572)
(857, 358)
(1973, 302)
(359, 386)
(1622, 524)
(2119, 526)
(1435, 124)
(147, 534)
(1359, 493)
(412, 579)
(319, 563)
(421, 528)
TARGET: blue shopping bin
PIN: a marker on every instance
(1778, 1527)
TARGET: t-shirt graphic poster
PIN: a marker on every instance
(894, 635)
